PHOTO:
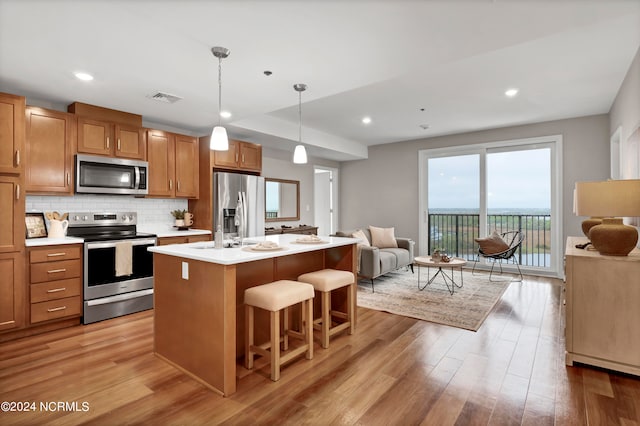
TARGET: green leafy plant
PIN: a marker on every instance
(178, 214)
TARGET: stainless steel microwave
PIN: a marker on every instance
(105, 175)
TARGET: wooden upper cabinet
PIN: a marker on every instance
(250, 156)
(12, 110)
(12, 228)
(95, 137)
(161, 158)
(240, 156)
(51, 138)
(187, 176)
(173, 165)
(129, 142)
(105, 138)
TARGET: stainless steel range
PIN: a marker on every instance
(117, 268)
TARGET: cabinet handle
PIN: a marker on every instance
(17, 192)
(243, 158)
(56, 254)
(178, 184)
(53, 271)
(61, 308)
(56, 290)
(17, 157)
(170, 184)
(107, 142)
(236, 157)
(68, 180)
(118, 144)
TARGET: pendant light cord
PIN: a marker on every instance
(300, 116)
(219, 91)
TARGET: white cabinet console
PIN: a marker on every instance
(602, 308)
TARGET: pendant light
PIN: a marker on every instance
(219, 140)
(300, 153)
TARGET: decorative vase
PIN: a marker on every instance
(613, 238)
(436, 256)
(587, 224)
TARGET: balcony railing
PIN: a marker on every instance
(455, 233)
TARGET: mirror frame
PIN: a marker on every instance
(281, 219)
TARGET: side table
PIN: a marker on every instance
(449, 280)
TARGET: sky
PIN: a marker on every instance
(518, 179)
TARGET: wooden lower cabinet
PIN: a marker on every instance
(163, 241)
(12, 309)
(55, 278)
(602, 314)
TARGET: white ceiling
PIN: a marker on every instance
(383, 59)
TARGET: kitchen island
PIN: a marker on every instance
(198, 298)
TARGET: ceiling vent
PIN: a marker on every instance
(164, 97)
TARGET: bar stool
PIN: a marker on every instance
(275, 297)
(325, 281)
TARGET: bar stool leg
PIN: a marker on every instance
(351, 307)
(275, 345)
(248, 342)
(309, 325)
(285, 326)
(326, 318)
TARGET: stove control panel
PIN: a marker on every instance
(100, 218)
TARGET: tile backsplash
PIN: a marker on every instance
(150, 211)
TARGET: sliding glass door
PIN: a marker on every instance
(468, 192)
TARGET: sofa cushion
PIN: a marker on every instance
(363, 238)
(402, 256)
(383, 237)
(388, 261)
(492, 244)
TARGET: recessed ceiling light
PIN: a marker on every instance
(83, 76)
(366, 120)
(225, 114)
(511, 92)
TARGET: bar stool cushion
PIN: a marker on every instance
(327, 279)
(278, 294)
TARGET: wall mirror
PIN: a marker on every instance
(282, 199)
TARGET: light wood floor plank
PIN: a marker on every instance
(393, 371)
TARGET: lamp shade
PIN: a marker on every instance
(219, 140)
(608, 198)
(300, 155)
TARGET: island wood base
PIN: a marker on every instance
(199, 322)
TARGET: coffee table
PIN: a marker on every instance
(449, 281)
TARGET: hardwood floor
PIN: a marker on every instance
(394, 370)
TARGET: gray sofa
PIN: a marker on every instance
(376, 261)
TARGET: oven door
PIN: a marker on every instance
(100, 278)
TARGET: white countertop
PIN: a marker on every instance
(205, 251)
(169, 231)
(38, 242)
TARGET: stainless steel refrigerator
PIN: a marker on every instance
(238, 204)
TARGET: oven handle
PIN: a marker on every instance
(119, 297)
(97, 245)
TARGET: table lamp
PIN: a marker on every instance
(608, 199)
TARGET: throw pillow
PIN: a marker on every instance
(383, 237)
(492, 244)
(363, 238)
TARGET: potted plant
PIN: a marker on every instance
(179, 216)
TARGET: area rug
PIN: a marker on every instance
(397, 293)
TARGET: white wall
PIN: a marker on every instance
(625, 113)
(383, 190)
(279, 164)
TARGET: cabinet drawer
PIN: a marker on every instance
(55, 253)
(55, 290)
(45, 311)
(53, 271)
